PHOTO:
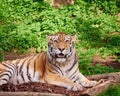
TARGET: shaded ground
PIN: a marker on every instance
(13, 55)
(109, 61)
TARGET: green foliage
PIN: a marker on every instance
(19, 38)
(1, 55)
(112, 91)
(85, 57)
(25, 23)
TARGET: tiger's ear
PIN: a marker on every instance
(49, 38)
(73, 38)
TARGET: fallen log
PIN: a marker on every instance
(114, 76)
(109, 79)
(28, 94)
(40, 89)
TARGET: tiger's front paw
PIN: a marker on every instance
(90, 83)
(93, 83)
(76, 87)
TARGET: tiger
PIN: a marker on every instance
(57, 66)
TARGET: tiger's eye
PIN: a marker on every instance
(56, 41)
(67, 41)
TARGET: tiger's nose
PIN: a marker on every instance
(61, 49)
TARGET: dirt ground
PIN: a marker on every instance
(108, 61)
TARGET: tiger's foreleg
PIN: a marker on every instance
(56, 79)
(85, 82)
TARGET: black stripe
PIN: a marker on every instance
(77, 79)
(44, 62)
(28, 75)
(9, 72)
(44, 58)
(73, 75)
(71, 67)
(22, 65)
(10, 69)
(18, 81)
(4, 64)
(4, 75)
(50, 70)
(75, 62)
(12, 65)
(59, 69)
(17, 75)
(28, 63)
(34, 68)
(17, 70)
(22, 76)
(4, 80)
(20, 71)
(14, 68)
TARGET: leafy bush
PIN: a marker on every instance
(1, 55)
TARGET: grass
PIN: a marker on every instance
(112, 91)
(25, 23)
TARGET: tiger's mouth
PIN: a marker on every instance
(61, 55)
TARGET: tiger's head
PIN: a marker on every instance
(61, 46)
